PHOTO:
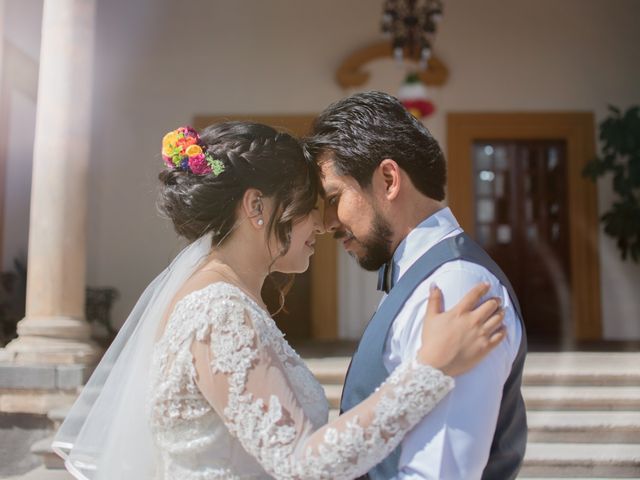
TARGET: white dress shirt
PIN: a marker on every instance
(453, 441)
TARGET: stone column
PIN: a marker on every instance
(54, 330)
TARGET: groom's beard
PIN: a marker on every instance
(375, 247)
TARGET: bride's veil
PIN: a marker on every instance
(106, 434)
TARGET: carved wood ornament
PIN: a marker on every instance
(351, 72)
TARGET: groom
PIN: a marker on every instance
(384, 179)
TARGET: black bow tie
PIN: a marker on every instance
(385, 277)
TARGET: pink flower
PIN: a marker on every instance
(168, 161)
(198, 165)
(189, 132)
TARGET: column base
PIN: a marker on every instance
(52, 340)
(58, 326)
(47, 350)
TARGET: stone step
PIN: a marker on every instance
(564, 368)
(57, 415)
(555, 398)
(329, 370)
(571, 460)
(583, 368)
(41, 473)
(333, 393)
(42, 448)
(577, 427)
(581, 398)
(584, 427)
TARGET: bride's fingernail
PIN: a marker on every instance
(433, 287)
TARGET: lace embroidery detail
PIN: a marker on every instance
(306, 386)
(410, 393)
(188, 429)
(268, 433)
(193, 440)
(416, 389)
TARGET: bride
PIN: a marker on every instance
(200, 383)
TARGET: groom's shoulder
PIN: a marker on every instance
(461, 272)
(455, 279)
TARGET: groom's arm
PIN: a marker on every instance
(454, 440)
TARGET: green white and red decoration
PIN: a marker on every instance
(414, 96)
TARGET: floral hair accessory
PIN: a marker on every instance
(181, 150)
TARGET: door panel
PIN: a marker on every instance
(533, 169)
(521, 219)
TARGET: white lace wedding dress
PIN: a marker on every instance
(231, 399)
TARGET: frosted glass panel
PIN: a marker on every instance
(486, 211)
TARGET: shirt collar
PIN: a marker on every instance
(423, 237)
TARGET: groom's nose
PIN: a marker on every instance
(318, 222)
(331, 222)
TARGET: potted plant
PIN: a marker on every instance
(620, 156)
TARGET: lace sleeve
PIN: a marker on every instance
(243, 378)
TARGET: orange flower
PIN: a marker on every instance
(184, 142)
(193, 150)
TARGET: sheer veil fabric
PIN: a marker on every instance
(106, 434)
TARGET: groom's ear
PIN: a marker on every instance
(389, 178)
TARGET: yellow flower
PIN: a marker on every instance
(167, 150)
(169, 140)
(193, 150)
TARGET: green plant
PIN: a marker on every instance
(13, 285)
(620, 137)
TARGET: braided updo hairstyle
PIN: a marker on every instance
(254, 156)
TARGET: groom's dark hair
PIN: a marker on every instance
(360, 131)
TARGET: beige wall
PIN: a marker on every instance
(160, 63)
(21, 33)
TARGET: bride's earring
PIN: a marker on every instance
(259, 211)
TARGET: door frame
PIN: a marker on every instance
(577, 129)
(324, 267)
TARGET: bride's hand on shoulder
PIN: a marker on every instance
(455, 341)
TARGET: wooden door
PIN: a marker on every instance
(521, 219)
(515, 184)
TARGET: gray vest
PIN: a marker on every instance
(367, 371)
